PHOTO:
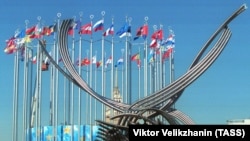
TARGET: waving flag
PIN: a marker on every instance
(138, 63)
(167, 53)
(30, 30)
(169, 41)
(154, 43)
(94, 59)
(98, 25)
(98, 64)
(20, 34)
(34, 59)
(124, 31)
(85, 62)
(11, 49)
(109, 31)
(73, 26)
(35, 33)
(78, 25)
(109, 61)
(157, 34)
(10, 45)
(48, 30)
(151, 56)
(135, 57)
(11, 41)
(86, 29)
(142, 31)
(119, 62)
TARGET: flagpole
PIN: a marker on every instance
(56, 81)
(139, 73)
(90, 71)
(39, 62)
(145, 63)
(87, 96)
(126, 68)
(72, 84)
(129, 72)
(163, 69)
(66, 117)
(172, 62)
(15, 99)
(112, 69)
(51, 122)
(57, 84)
(171, 65)
(95, 87)
(103, 81)
(122, 50)
(128, 65)
(157, 70)
(30, 98)
(160, 65)
(25, 91)
(29, 94)
(152, 69)
(79, 90)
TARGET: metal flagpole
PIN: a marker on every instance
(56, 84)
(160, 66)
(39, 72)
(30, 96)
(87, 96)
(72, 84)
(103, 80)
(54, 80)
(95, 86)
(139, 73)
(163, 71)
(51, 122)
(122, 93)
(64, 99)
(104, 85)
(79, 71)
(126, 68)
(112, 69)
(128, 65)
(25, 86)
(145, 63)
(15, 99)
(90, 71)
(172, 62)
(152, 68)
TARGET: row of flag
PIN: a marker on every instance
(158, 43)
(36, 31)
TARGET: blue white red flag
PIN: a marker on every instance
(109, 31)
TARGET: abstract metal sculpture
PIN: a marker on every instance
(158, 107)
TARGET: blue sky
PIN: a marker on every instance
(222, 93)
